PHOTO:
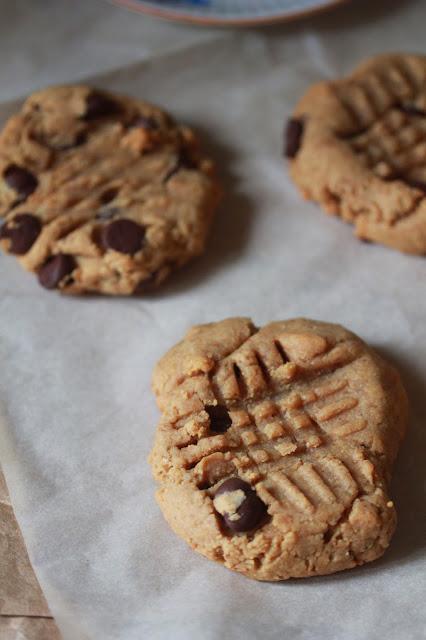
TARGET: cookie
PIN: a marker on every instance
(358, 147)
(275, 446)
(101, 192)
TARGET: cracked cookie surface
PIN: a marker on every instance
(275, 446)
(101, 192)
(357, 146)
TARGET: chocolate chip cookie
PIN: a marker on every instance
(101, 192)
(275, 446)
(358, 147)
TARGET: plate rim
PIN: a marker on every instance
(176, 16)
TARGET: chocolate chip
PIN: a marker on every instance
(55, 269)
(145, 122)
(251, 512)
(412, 110)
(220, 420)
(20, 180)
(22, 232)
(123, 235)
(99, 105)
(293, 136)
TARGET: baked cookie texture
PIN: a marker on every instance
(275, 446)
(358, 147)
(101, 192)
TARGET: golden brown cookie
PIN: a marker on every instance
(101, 192)
(275, 446)
(358, 147)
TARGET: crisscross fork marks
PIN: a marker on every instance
(271, 426)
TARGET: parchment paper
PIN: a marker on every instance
(78, 415)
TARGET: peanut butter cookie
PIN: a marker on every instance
(358, 147)
(101, 192)
(275, 446)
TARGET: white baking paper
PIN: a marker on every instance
(78, 416)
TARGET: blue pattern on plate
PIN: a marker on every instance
(237, 9)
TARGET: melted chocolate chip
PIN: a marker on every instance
(220, 420)
(293, 137)
(123, 235)
(145, 122)
(412, 110)
(22, 232)
(55, 269)
(20, 180)
(99, 105)
(251, 512)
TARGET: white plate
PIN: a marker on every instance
(229, 11)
